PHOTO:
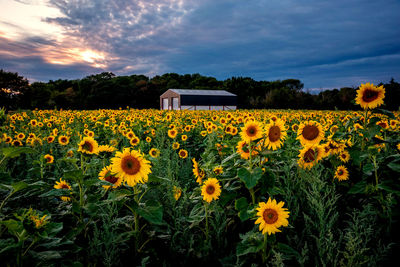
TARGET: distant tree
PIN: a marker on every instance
(14, 90)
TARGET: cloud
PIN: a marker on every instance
(323, 43)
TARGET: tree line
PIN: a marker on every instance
(106, 90)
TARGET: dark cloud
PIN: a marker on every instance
(323, 43)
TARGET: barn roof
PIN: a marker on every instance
(202, 92)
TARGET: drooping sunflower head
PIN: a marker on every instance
(275, 133)
(63, 185)
(271, 216)
(154, 153)
(106, 149)
(370, 96)
(197, 172)
(211, 190)
(243, 149)
(107, 175)
(341, 173)
(310, 155)
(251, 131)
(310, 132)
(131, 166)
(177, 192)
(88, 146)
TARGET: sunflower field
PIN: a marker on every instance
(224, 188)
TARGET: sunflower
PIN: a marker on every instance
(341, 173)
(183, 153)
(203, 133)
(271, 216)
(134, 141)
(370, 96)
(131, 166)
(49, 158)
(177, 191)
(176, 145)
(211, 190)
(106, 175)
(148, 139)
(172, 133)
(50, 139)
(276, 134)
(198, 173)
(242, 149)
(344, 156)
(218, 170)
(63, 140)
(252, 130)
(310, 155)
(154, 153)
(16, 142)
(39, 222)
(88, 145)
(63, 185)
(310, 132)
(184, 137)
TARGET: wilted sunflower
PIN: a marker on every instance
(88, 145)
(63, 140)
(276, 134)
(271, 216)
(177, 191)
(370, 96)
(106, 149)
(154, 153)
(49, 158)
(106, 175)
(198, 173)
(183, 153)
(63, 185)
(252, 130)
(341, 173)
(131, 166)
(211, 190)
(310, 132)
(310, 155)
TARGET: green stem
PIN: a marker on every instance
(376, 171)
(2, 160)
(264, 252)
(206, 213)
(33, 242)
(253, 198)
(5, 200)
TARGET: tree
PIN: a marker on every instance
(14, 90)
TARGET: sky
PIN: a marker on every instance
(325, 44)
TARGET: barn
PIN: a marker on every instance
(198, 99)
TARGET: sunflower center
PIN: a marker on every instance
(87, 146)
(369, 95)
(210, 189)
(111, 179)
(63, 140)
(309, 156)
(130, 165)
(274, 133)
(340, 173)
(251, 131)
(64, 186)
(310, 132)
(270, 216)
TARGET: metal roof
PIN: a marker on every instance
(202, 92)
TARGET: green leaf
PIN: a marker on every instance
(251, 243)
(358, 188)
(241, 204)
(389, 188)
(74, 175)
(250, 179)
(196, 214)
(368, 168)
(13, 152)
(19, 186)
(394, 165)
(56, 193)
(152, 211)
(288, 251)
